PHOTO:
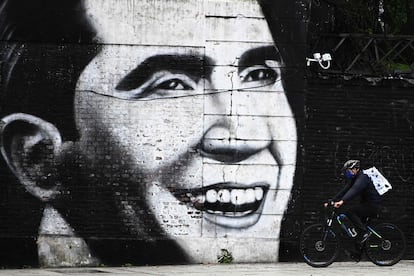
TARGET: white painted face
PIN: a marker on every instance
(191, 101)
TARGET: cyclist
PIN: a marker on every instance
(358, 184)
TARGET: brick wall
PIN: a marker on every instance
(153, 132)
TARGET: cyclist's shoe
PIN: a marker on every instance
(354, 255)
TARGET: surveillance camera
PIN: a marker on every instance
(326, 57)
(323, 60)
(317, 56)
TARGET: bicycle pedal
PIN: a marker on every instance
(365, 237)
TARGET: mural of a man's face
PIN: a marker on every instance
(195, 113)
(185, 132)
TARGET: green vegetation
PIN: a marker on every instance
(225, 257)
(362, 16)
(396, 67)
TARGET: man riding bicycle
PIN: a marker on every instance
(384, 244)
(358, 184)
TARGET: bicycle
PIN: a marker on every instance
(320, 243)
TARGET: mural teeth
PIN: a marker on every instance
(237, 214)
(224, 196)
(211, 196)
(200, 199)
(246, 213)
(250, 196)
(258, 193)
(237, 197)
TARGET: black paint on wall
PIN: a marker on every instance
(354, 120)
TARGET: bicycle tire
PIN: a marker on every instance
(319, 245)
(389, 249)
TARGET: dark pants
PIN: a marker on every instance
(359, 213)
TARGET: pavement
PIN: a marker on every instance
(403, 268)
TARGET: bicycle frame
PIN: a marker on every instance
(334, 216)
(370, 229)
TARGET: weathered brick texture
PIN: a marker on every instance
(137, 132)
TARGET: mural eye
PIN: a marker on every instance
(160, 85)
(173, 84)
(258, 75)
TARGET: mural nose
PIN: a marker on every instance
(229, 144)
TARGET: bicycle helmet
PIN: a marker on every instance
(350, 164)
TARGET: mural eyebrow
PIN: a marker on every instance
(196, 67)
(258, 56)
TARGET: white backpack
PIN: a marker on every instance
(381, 184)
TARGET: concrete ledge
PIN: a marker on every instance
(404, 268)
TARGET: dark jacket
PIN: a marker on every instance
(361, 185)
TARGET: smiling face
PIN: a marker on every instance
(203, 133)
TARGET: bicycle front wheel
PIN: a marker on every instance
(319, 245)
(386, 245)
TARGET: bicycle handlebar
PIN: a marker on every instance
(330, 203)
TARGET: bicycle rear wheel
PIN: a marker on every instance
(319, 245)
(388, 247)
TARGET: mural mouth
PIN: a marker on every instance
(233, 200)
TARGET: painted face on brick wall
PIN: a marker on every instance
(195, 113)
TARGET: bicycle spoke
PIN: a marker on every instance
(319, 246)
(386, 246)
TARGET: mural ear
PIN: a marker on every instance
(29, 146)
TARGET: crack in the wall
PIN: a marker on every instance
(232, 127)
